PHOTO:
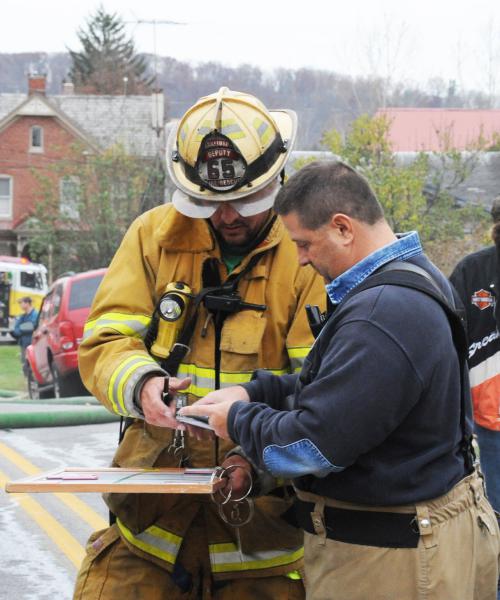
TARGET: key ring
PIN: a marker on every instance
(225, 474)
(219, 473)
(235, 519)
(177, 444)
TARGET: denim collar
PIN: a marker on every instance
(406, 246)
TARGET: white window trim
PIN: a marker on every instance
(36, 148)
(11, 197)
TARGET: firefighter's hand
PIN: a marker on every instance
(156, 412)
(239, 476)
(216, 407)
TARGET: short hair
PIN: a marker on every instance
(26, 299)
(322, 189)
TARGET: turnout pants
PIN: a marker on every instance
(110, 571)
(457, 556)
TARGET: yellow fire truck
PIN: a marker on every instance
(19, 277)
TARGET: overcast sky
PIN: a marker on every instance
(408, 41)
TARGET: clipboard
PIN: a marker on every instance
(119, 480)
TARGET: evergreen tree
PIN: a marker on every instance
(107, 63)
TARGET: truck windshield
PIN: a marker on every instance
(83, 292)
(32, 279)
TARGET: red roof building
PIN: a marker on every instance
(435, 129)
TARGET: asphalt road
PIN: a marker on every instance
(43, 536)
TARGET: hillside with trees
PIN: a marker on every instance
(336, 113)
(322, 99)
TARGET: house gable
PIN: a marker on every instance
(39, 132)
(39, 106)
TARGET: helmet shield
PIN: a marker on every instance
(248, 206)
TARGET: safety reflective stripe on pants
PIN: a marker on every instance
(295, 575)
(123, 380)
(203, 380)
(155, 541)
(227, 558)
(223, 557)
(125, 324)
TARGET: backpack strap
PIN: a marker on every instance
(412, 276)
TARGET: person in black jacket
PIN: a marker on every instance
(372, 429)
(476, 278)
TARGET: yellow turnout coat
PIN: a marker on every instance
(163, 246)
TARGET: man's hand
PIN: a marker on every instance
(215, 406)
(239, 477)
(156, 412)
(229, 394)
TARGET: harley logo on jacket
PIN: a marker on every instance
(483, 299)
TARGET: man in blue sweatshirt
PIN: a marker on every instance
(24, 326)
(372, 430)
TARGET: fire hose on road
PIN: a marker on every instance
(19, 412)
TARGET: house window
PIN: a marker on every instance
(69, 197)
(5, 197)
(36, 139)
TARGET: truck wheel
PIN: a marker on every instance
(34, 391)
(65, 386)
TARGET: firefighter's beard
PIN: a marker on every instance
(239, 232)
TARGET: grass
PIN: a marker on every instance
(11, 374)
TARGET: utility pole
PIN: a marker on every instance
(154, 22)
(158, 116)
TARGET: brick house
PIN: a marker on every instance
(37, 131)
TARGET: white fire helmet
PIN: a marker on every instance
(229, 147)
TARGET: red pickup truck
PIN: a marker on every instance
(52, 356)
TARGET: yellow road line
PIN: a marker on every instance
(75, 504)
(58, 534)
(83, 511)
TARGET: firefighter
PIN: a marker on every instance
(215, 276)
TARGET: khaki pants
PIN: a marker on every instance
(110, 571)
(457, 556)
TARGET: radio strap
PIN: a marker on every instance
(181, 347)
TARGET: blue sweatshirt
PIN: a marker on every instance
(24, 326)
(379, 423)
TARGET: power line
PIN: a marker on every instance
(154, 23)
